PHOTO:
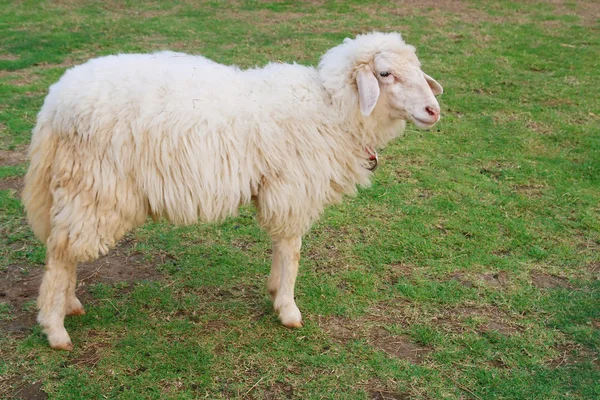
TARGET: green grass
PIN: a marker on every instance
(447, 251)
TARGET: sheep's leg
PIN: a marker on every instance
(275, 275)
(52, 302)
(287, 255)
(73, 305)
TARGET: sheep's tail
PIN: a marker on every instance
(37, 197)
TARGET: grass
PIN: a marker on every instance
(470, 268)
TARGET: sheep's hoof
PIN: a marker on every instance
(290, 317)
(59, 339)
(76, 311)
(62, 346)
(293, 325)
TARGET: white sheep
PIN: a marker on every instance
(184, 138)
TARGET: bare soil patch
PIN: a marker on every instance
(19, 284)
(572, 354)
(530, 190)
(91, 350)
(539, 127)
(545, 281)
(23, 77)
(587, 10)
(340, 329)
(490, 319)
(216, 293)
(215, 325)
(10, 158)
(120, 265)
(9, 57)
(29, 391)
(399, 346)
(385, 395)
(279, 390)
(491, 279)
(344, 330)
(594, 268)
(397, 271)
(14, 183)
(90, 356)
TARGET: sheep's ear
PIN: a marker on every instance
(436, 88)
(368, 90)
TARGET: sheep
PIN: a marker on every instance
(181, 137)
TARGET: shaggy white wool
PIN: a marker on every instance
(187, 139)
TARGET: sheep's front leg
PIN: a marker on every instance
(52, 302)
(286, 255)
(275, 275)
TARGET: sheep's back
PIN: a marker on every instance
(194, 136)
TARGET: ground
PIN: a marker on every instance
(470, 268)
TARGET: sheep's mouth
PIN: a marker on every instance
(422, 123)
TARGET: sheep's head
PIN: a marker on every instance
(385, 75)
(394, 83)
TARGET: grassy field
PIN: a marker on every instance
(470, 268)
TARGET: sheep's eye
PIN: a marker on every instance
(384, 74)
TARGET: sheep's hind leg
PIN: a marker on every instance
(52, 302)
(287, 252)
(73, 305)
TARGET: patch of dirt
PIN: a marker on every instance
(397, 271)
(30, 392)
(216, 293)
(539, 127)
(20, 77)
(572, 354)
(19, 284)
(215, 325)
(67, 63)
(395, 311)
(545, 281)
(340, 329)
(385, 395)
(329, 256)
(491, 319)
(93, 348)
(279, 390)
(491, 279)
(496, 279)
(587, 243)
(397, 346)
(9, 57)
(403, 174)
(530, 190)
(424, 193)
(90, 355)
(10, 158)
(344, 330)
(497, 169)
(587, 10)
(120, 265)
(594, 268)
(498, 326)
(438, 10)
(557, 102)
(14, 183)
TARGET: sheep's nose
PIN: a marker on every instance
(433, 111)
